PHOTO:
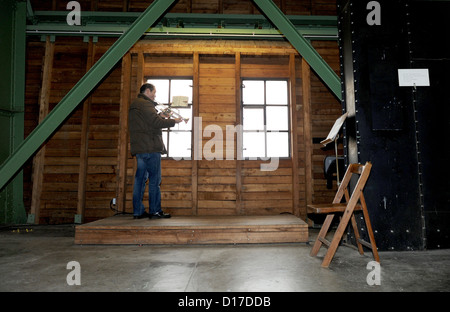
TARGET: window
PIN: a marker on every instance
(178, 138)
(265, 115)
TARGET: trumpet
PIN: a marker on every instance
(167, 110)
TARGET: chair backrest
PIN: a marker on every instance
(353, 169)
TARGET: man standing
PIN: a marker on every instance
(147, 145)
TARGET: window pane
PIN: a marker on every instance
(181, 87)
(253, 92)
(164, 137)
(180, 144)
(277, 118)
(162, 90)
(277, 144)
(185, 113)
(254, 144)
(253, 119)
(276, 92)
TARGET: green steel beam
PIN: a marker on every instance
(12, 92)
(117, 30)
(30, 13)
(79, 92)
(306, 50)
(181, 24)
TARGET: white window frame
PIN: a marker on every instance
(264, 106)
(166, 132)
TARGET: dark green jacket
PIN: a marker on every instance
(145, 126)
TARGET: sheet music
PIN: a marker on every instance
(335, 129)
(180, 101)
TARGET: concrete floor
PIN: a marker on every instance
(35, 258)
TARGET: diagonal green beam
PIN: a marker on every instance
(79, 92)
(306, 50)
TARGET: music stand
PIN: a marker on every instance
(334, 136)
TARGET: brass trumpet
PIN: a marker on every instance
(167, 110)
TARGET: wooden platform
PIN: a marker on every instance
(123, 229)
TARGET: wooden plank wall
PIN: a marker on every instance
(87, 162)
(57, 202)
(324, 112)
(92, 137)
(101, 142)
(266, 192)
(294, 7)
(216, 179)
(34, 80)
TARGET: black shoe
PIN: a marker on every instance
(144, 215)
(159, 215)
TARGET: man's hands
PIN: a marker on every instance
(166, 115)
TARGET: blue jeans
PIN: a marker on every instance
(148, 167)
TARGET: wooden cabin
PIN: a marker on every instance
(87, 163)
(248, 165)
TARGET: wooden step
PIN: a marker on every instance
(123, 229)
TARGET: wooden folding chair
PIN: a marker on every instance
(351, 204)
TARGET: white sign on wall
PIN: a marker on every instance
(415, 77)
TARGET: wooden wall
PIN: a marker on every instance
(324, 111)
(87, 162)
(293, 7)
(81, 169)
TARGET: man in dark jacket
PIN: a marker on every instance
(146, 143)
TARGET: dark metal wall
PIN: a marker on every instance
(430, 48)
(400, 130)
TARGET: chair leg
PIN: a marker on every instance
(357, 237)
(337, 238)
(371, 236)
(323, 232)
